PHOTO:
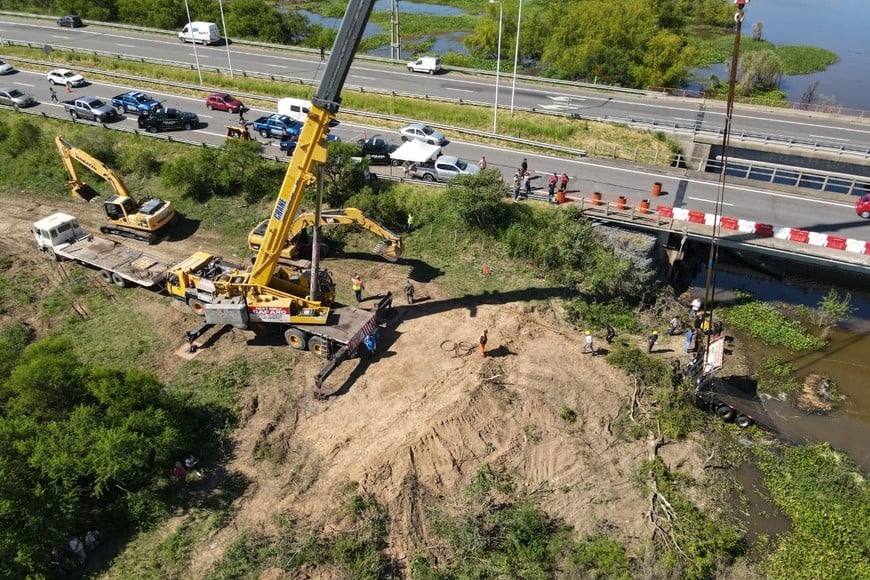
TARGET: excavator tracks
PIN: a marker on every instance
(143, 236)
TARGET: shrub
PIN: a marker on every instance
(762, 321)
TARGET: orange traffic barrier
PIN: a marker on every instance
(764, 230)
(596, 198)
(621, 202)
(697, 217)
(665, 211)
(657, 189)
(799, 236)
(836, 243)
(728, 223)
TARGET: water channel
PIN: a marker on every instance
(846, 359)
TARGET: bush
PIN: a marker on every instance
(764, 322)
(597, 556)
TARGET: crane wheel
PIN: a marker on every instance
(318, 346)
(743, 421)
(196, 306)
(296, 339)
(117, 280)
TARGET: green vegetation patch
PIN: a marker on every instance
(764, 322)
(828, 500)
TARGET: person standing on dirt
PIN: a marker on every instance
(409, 291)
(587, 344)
(651, 341)
(673, 326)
(371, 344)
(357, 287)
(482, 340)
(610, 335)
(410, 223)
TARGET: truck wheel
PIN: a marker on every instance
(743, 421)
(117, 280)
(319, 346)
(106, 276)
(196, 306)
(295, 338)
(152, 129)
(73, 114)
(186, 126)
(725, 412)
(428, 177)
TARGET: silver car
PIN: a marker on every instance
(6, 68)
(444, 168)
(422, 132)
(16, 98)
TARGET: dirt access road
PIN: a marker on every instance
(420, 420)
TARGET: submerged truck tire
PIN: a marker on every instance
(743, 421)
(725, 412)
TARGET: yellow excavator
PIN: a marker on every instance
(390, 247)
(145, 221)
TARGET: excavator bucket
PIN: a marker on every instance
(390, 250)
(83, 191)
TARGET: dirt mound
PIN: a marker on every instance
(817, 394)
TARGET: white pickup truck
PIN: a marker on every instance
(61, 237)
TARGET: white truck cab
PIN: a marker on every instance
(426, 64)
(57, 231)
(202, 32)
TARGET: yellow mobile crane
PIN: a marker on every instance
(265, 294)
(390, 247)
(126, 217)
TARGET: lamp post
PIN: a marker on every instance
(516, 55)
(226, 37)
(497, 66)
(195, 55)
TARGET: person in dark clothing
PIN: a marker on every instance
(409, 291)
(610, 334)
(322, 54)
(651, 340)
(525, 165)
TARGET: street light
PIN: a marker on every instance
(497, 67)
(516, 55)
(226, 38)
(190, 29)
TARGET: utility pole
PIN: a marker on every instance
(395, 41)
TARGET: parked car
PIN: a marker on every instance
(15, 98)
(422, 132)
(377, 149)
(223, 102)
(279, 126)
(70, 21)
(135, 102)
(168, 120)
(6, 68)
(862, 206)
(444, 168)
(66, 77)
(426, 64)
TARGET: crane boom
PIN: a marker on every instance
(311, 146)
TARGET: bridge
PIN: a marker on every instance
(789, 243)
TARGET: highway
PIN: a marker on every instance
(691, 115)
(829, 214)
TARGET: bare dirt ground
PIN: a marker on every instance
(420, 420)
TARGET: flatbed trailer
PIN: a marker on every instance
(61, 238)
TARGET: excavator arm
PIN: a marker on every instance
(311, 146)
(390, 247)
(80, 189)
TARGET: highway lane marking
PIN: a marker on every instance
(458, 90)
(708, 200)
(127, 45)
(362, 77)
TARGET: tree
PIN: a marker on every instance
(343, 175)
(759, 71)
(833, 310)
(478, 199)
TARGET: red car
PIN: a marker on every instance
(224, 102)
(862, 206)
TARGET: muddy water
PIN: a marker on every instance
(846, 359)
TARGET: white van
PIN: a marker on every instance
(296, 109)
(203, 32)
(426, 64)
